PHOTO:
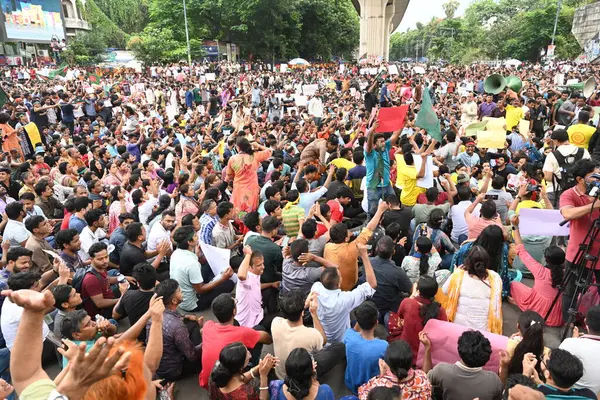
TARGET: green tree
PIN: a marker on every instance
(105, 29)
(156, 45)
(450, 8)
(85, 49)
(129, 15)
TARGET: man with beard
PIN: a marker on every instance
(5, 199)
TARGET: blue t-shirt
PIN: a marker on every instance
(276, 388)
(77, 223)
(362, 358)
(371, 160)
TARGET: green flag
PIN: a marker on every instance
(428, 119)
(472, 129)
(62, 71)
(94, 79)
(3, 97)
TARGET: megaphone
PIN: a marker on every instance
(496, 83)
(586, 87)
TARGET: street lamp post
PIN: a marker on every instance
(187, 34)
(558, 5)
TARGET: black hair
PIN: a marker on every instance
(474, 349)
(518, 379)
(27, 196)
(269, 224)
(298, 247)
(340, 174)
(125, 216)
(385, 247)
(358, 157)
(41, 187)
(93, 215)
(436, 217)
(72, 323)
(555, 262)
(13, 210)
(271, 206)
(188, 220)
(583, 167)
(498, 182)
(330, 278)
(398, 356)
(224, 208)
(488, 209)
(34, 222)
(531, 325)
(464, 192)
(338, 233)
(61, 295)
(344, 191)
(309, 229)
(584, 117)
(97, 248)
(232, 360)
(432, 194)
(223, 307)
(244, 146)
(183, 235)
(164, 202)
(476, 262)
(385, 393)
(145, 275)
(292, 304)
(133, 231)
(81, 203)
(424, 246)
(63, 237)
(299, 373)
(394, 230)
(492, 240)
(592, 320)
(428, 287)
(22, 280)
(166, 289)
(565, 368)
(366, 315)
(252, 221)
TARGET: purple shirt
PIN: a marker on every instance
(485, 109)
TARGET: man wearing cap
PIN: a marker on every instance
(468, 157)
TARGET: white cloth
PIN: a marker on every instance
(185, 269)
(9, 322)
(335, 306)
(88, 238)
(16, 233)
(457, 215)
(587, 349)
(551, 164)
(315, 107)
(145, 210)
(157, 234)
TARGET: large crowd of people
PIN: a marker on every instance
(269, 202)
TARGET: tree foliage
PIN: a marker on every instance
(103, 27)
(492, 29)
(85, 49)
(266, 29)
(159, 45)
(129, 15)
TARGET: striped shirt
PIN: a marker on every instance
(516, 142)
(291, 219)
(207, 223)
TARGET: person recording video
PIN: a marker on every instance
(579, 205)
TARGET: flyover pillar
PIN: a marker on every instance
(374, 31)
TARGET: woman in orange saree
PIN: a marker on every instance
(10, 138)
(241, 169)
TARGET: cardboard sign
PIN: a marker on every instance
(491, 139)
(392, 118)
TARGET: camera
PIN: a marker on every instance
(593, 189)
(533, 188)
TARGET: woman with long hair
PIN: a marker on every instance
(547, 279)
(425, 260)
(474, 293)
(493, 241)
(164, 202)
(112, 178)
(117, 207)
(229, 382)
(528, 339)
(300, 381)
(187, 203)
(396, 371)
(241, 169)
(414, 313)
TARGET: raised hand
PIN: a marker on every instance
(30, 299)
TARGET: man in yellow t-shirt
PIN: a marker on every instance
(407, 175)
(581, 133)
(514, 113)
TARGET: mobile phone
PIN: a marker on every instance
(491, 197)
(285, 241)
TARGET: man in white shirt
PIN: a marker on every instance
(93, 232)
(161, 231)
(11, 313)
(315, 108)
(334, 305)
(15, 232)
(587, 349)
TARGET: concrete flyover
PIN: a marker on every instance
(378, 19)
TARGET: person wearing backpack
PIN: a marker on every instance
(559, 163)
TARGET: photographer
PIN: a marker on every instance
(581, 210)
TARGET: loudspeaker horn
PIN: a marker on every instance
(494, 84)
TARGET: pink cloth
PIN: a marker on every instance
(444, 349)
(579, 227)
(242, 169)
(540, 297)
(185, 207)
(249, 297)
(478, 224)
(113, 215)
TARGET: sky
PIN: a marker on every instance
(418, 12)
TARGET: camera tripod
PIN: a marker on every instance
(581, 271)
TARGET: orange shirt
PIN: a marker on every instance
(345, 256)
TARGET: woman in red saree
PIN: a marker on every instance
(241, 169)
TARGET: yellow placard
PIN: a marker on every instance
(524, 127)
(495, 124)
(491, 139)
